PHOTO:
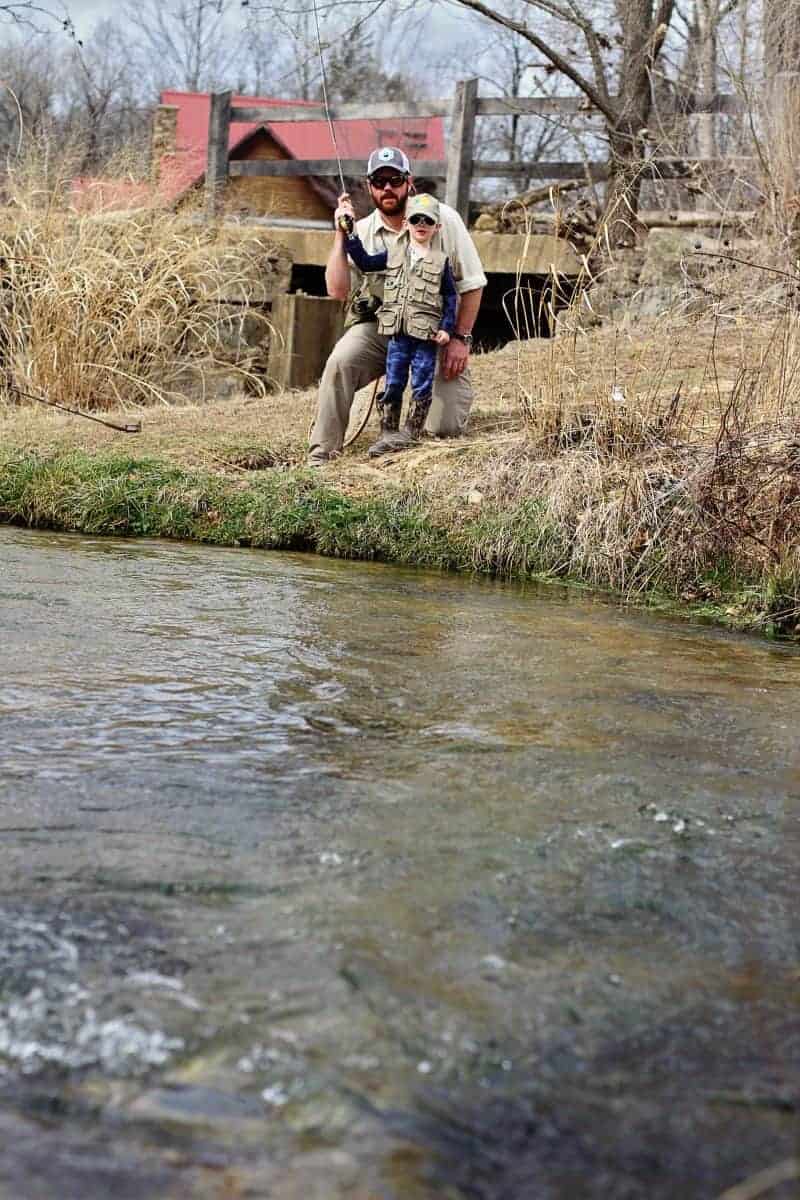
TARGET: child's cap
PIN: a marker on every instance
(423, 203)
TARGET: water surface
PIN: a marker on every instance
(332, 880)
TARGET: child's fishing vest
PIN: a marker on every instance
(412, 293)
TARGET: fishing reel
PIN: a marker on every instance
(365, 307)
(346, 224)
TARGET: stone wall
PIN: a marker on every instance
(684, 272)
(246, 272)
(165, 130)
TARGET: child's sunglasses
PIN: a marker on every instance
(419, 219)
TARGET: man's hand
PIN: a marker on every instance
(441, 337)
(344, 216)
(455, 358)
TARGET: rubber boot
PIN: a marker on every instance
(389, 406)
(392, 443)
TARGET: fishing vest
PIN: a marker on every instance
(412, 293)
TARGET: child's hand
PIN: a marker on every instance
(442, 337)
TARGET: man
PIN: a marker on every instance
(360, 354)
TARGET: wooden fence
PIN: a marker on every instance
(460, 167)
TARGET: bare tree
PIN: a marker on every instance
(292, 28)
(183, 43)
(781, 36)
(620, 42)
(509, 66)
(745, 62)
(260, 63)
(104, 105)
(29, 16)
(782, 69)
(346, 41)
(30, 71)
(701, 30)
(354, 72)
(702, 63)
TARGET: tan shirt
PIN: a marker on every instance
(453, 238)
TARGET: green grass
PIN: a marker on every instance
(122, 496)
(127, 497)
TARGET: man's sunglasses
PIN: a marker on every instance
(383, 181)
(419, 219)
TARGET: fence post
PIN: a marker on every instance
(219, 123)
(459, 151)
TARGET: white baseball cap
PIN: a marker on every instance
(388, 156)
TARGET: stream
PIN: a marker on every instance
(337, 881)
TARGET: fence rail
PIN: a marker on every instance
(655, 168)
(460, 167)
(485, 106)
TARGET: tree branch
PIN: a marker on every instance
(661, 28)
(593, 46)
(728, 8)
(561, 64)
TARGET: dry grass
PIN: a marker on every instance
(100, 312)
(665, 458)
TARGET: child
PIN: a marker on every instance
(418, 314)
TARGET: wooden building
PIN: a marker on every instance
(180, 141)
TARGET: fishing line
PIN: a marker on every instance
(325, 103)
(345, 222)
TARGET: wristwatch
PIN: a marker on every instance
(466, 338)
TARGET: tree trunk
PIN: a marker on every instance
(782, 110)
(626, 108)
(624, 187)
(643, 24)
(707, 18)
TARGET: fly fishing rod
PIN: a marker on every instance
(345, 222)
(131, 427)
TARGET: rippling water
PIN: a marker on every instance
(326, 879)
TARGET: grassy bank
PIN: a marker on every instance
(659, 466)
(112, 495)
(116, 495)
(126, 497)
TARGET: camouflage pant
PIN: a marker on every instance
(409, 353)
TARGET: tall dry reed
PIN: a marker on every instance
(99, 307)
(669, 459)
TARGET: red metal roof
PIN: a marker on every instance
(422, 138)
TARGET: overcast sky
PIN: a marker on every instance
(85, 13)
(444, 22)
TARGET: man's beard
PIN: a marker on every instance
(396, 204)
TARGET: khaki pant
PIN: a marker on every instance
(357, 359)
